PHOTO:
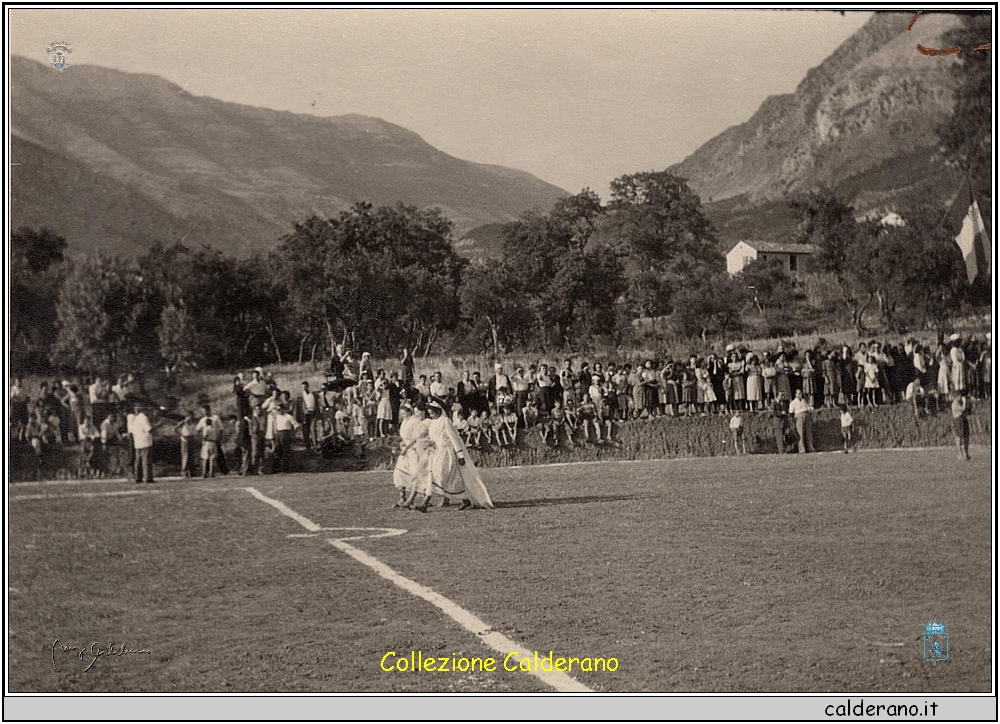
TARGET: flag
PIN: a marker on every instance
(973, 238)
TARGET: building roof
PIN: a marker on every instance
(770, 247)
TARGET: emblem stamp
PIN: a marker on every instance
(59, 54)
(935, 641)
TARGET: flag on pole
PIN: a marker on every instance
(972, 239)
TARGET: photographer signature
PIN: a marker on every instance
(92, 652)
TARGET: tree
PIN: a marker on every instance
(569, 284)
(710, 307)
(768, 282)
(490, 301)
(917, 271)
(662, 236)
(36, 259)
(845, 248)
(384, 278)
(209, 290)
(107, 317)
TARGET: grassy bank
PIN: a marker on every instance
(891, 426)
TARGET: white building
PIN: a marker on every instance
(794, 258)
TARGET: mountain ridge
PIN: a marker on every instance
(230, 175)
(870, 107)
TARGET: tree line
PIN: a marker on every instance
(581, 275)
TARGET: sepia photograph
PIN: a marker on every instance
(501, 351)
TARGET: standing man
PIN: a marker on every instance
(306, 408)
(284, 427)
(803, 424)
(142, 440)
(407, 364)
(497, 383)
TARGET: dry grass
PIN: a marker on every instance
(755, 574)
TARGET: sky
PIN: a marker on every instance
(576, 97)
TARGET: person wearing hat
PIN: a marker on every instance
(452, 472)
(957, 354)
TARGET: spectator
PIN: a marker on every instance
(736, 431)
(407, 365)
(256, 388)
(285, 426)
(253, 452)
(846, 428)
(187, 432)
(803, 425)
(960, 408)
(142, 440)
(210, 436)
(306, 409)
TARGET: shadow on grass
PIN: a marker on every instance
(571, 500)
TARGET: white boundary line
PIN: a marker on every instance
(45, 496)
(558, 680)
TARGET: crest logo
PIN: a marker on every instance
(935, 641)
(59, 54)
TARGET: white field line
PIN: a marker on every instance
(44, 496)
(558, 680)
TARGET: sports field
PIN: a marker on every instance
(760, 573)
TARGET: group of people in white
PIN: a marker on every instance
(434, 462)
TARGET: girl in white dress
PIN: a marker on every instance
(452, 472)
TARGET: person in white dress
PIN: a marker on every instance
(452, 472)
(412, 473)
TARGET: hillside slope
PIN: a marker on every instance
(151, 156)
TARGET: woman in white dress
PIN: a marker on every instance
(957, 355)
(452, 472)
(412, 474)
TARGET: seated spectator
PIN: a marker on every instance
(529, 414)
(475, 429)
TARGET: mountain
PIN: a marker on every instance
(114, 161)
(862, 123)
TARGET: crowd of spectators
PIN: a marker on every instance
(570, 403)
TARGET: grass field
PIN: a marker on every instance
(761, 573)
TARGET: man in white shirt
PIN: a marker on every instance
(142, 440)
(306, 407)
(438, 390)
(283, 426)
(803, 424)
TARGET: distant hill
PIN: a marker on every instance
(483, 242)
(114, 160)
(861, 123)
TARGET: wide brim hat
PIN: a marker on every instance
(952, 338)
(435, 405)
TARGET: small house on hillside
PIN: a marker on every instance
(795, 258)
